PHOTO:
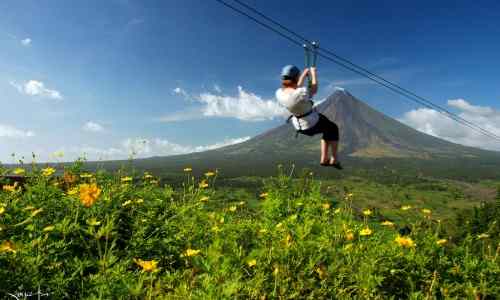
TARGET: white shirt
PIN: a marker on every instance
(298, 103)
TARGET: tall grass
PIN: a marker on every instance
(126, 236)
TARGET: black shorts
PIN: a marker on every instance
(329, 129)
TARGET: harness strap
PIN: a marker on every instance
(299, 117)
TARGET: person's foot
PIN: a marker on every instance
(337, 165)
(324, 162)
(332, 163)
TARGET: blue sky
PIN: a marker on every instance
(166, 77)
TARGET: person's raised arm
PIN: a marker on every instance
(302, 77)
(314, 81)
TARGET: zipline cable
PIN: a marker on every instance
(443, 110)
(345, 63)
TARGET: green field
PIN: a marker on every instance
(129, 235)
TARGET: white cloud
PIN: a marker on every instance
(12, 132)
(466, 107)
(245, 106)
(161, 147)
(217, 88)
(434, 123)
(26, 42)
(93, 127)
(37, 88)
(180, 91)
(141, 148)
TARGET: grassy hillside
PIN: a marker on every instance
(124, 236)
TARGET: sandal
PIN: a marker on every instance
(336, 165)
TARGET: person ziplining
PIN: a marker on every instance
(297, 99)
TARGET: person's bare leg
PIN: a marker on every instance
(334, 146)
(324, 152)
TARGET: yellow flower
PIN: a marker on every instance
(337, 211)
(139, 201)
(321, 271)
(365, 232)
(73, 191)
(203, 184)
(93, 222)
(7, 246)
(204, 199)
(48, 171)
(263, 230)
(279, 225)
(241, 203)
(48, 228)
(2, 210)
(252, 263)
(89, 193)
(126, 179)
(367, 212)
(233, 208)
(349, 236)
(128, 202)
(10, 188)
(36, 212)
(326, 206)
(406, 207)
(192, 252)
(86, 175)
(147, 265)
(442, 242)
(188, 169)
(215, 229)
(426, 211)
(350, 195)
(288, 241)
(387, 223)
(19, 171)
(405, 242)
(276, 271)
(209, 174)
(148, 176)
(263, 195)
(483, 236)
